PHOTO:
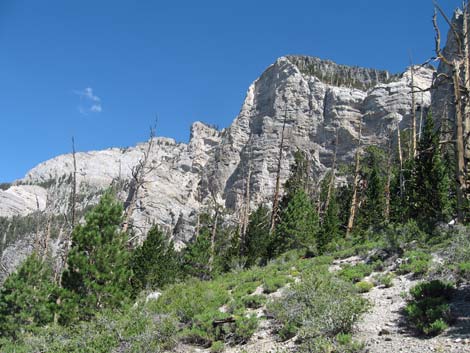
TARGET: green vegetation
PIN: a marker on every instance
(355, 273)
(428, 309)
(416, 262)
(385, 280)
(364, 286)
(319, 308)
(5, 186)
(155, 263)
(28, 298)
(98, 270)
(212, 290)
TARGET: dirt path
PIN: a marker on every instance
(383, 329)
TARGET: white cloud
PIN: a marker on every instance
(89, 102)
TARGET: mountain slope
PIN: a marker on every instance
(314, 97)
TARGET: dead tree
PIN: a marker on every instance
(400, 160)
(74, 186)
(333, 174)
(388, 180)
(139, 174)
(275, 207)
(37, 236)
(412, 153)
(214, 231)
(246, 207)
(357, 168)
(456, 64)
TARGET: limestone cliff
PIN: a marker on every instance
(315, 96)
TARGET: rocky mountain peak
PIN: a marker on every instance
(315, 97)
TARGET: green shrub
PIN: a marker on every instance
(5, 186)
(245, 288)
(364, 286)
(399, 237)
(320, 305)
(464, 270)
(385, 279)
(253, 301)
(244, 329)
(189, 299)
(217, 347)
(416, 262)
(342, 343)
(355, 273)
(428, 309)
(271, 285)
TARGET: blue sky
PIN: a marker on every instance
(101, 70)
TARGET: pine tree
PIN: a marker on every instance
(155, 263)
(98, 271)
(330, 229)
(196, 255)
(28, 298)
(298, 225)
(298, 179)
(373, 175)
(431, 182)
(257, 237)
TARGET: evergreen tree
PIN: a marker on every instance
(330, 229)
(28, 298)
(197, 253)
(257, 237)
(155, 263)
(431, 182)
(98, 271)
(298, 179)
(298, 225)
(371, 212)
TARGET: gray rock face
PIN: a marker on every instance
(315, 96)
(442, 94)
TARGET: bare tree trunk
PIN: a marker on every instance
(412, 153)
(74, 184)
(275, 208)
(352, 210)
(37, 236)
(400, 159)
(333, 174)
(460, 110)
(246, 210)
(389, 178)
(46, 239)
(213, 233)
(139, 173)
(420, 128)
(466, 114)
(459, 146)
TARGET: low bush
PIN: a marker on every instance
(342, 343)
(217, 347)
(355, 273)
(320, 305)
(253, 301)
(384, 279)
(463, 270)
(428, 310)
(416, 262)
(400, 237)
(271, 285)
(364, 286)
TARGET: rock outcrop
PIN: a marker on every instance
(316, 97)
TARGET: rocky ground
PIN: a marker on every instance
(382, 329)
